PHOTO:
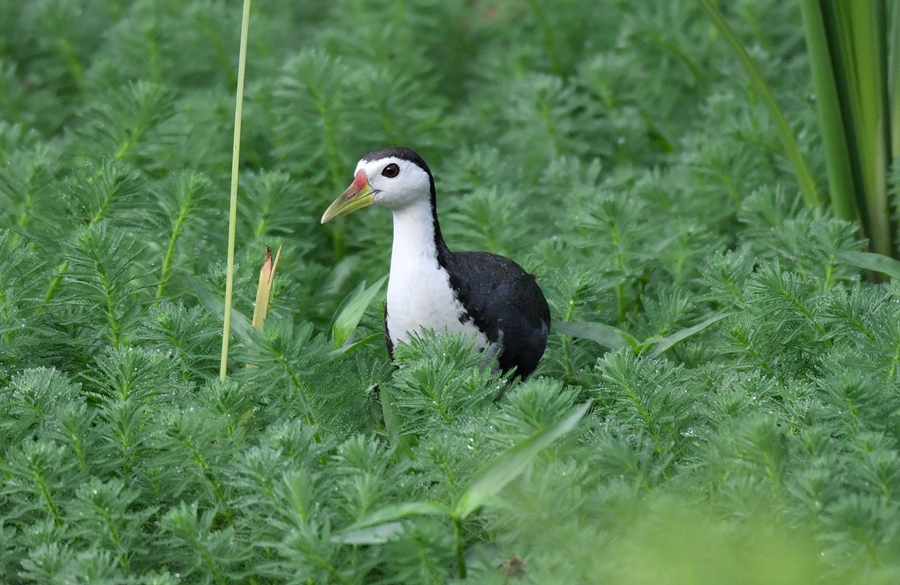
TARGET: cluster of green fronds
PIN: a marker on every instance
(615, 149)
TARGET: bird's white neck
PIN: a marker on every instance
(414, 249)
(419, 294)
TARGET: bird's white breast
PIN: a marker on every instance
(425, 300)
(419, 294)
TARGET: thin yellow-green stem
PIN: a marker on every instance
(232, 217)
(788, 142)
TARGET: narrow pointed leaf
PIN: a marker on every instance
(390, 515)
(393, 422)
(894, 82)
(788, 142)
(870, 261)
(352, 309)
(861, 31)
(379, 534)
(604, 334)
(350, 347)
(667, 342)
(830, 113)
(512, 463)
(240, 324)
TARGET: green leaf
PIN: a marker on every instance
(604, 334)
(870, 261)
(512, 463)
(240, 324)
(788, 142)
(382, 524)
(393, 422)
(352, 309)
(828, 105)
(667, 342)
(350, 347)
(378, 534)
(893, 42)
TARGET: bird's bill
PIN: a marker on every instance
(357, 195)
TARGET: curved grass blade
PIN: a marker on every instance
(511, 464)
(894, 82)
(870, 261)
(604, 334)
(788, 142)
(860, 28)
(379, 534)
(351, 347)
(352, 309)
(240, 324)
(668, 342)
(831, 116)
(382, 524)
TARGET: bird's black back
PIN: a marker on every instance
(500, 297)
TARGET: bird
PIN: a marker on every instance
(485, 296)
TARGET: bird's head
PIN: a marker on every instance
(394, 177)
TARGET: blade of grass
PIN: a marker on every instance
(667, 342)
(392, 423)
(894, 82)
(394, 512)
(604, 334)
(232, 215)
(861, 31)
(843, 69)
(508, 466)
(352, 309)
(869, 261)
(788, 142)
(828, 106)
(379, 534)
(240, 324)
(351, 347)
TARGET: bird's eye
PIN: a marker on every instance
(391, 171)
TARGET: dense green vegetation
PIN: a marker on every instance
(615, 149)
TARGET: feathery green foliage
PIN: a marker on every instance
(742, 376)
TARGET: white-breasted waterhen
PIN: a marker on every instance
(487, 296)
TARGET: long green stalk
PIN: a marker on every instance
(861, 31)
(828, 104)
(235, 159)
(788, 142)
(894, 81)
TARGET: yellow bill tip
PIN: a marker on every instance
(357, 195)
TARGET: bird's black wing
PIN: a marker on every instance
(505, 303)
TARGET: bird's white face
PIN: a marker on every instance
(395, 182)
(390, 181)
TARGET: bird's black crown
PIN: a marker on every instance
(400, 152)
